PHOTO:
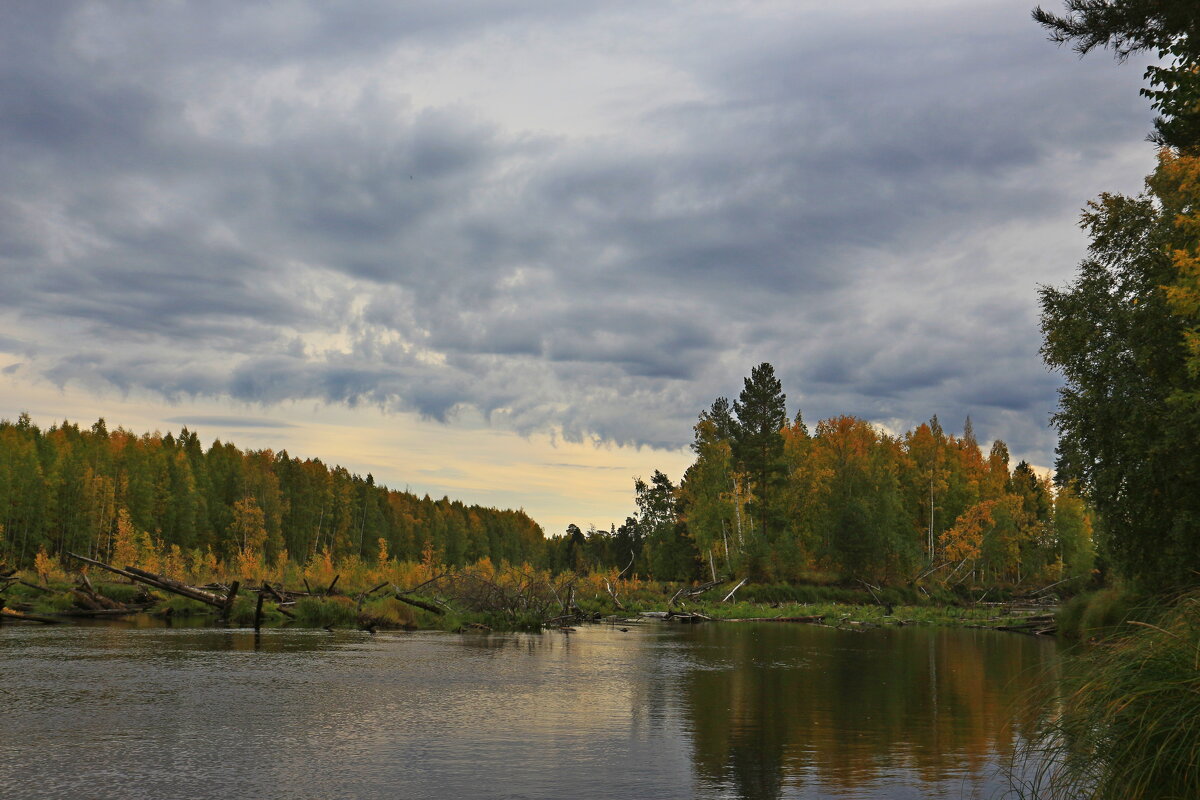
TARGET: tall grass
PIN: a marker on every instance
(1129, 727)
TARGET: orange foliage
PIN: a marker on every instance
(964, 540)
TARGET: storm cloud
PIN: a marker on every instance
(584, 218)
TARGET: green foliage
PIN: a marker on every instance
(1166, 28)
(1095, 615)
(1123, 440)
(121, 592)
(177, 606)
(53, 603)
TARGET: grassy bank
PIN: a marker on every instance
(1129, 722)
(523, 598)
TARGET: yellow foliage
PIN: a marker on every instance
(430, 560)
(133, 547)
(281, 565)
(1177, 182)
(248, 564)
(47, 566)
(319, 569)
(173, 565)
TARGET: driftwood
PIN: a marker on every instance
(363, 596)
(96, 597)
(422, 584)
(85, 601)
(258, 610)
(1038, 625)
(675, 616)
(332, 584)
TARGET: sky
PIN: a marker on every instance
(507, 251)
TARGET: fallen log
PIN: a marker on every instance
(359, 603)
(412, 601)
(8, 612)
(180, 588)
(434, 579)
(84, 601)
(694, 591)
(96, 597)
(280, 602)
(83, 613)
(809, 619)
(613, 594)
(157, 581)
(734, 589)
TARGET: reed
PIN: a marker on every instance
(1129, 726)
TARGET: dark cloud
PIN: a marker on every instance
(274, 202)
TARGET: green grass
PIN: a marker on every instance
(331, 612)
(179, 606)
(1130, 722)
(1096, 615)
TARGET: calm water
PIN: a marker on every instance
(709, 711)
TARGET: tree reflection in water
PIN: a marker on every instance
(893, 713)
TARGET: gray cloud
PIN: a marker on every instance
(228, 421)
(271, 203)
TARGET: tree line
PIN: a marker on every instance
(93, 491)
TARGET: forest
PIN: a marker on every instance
(92, 491)
(765, 499)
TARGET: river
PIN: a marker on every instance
(742, 710)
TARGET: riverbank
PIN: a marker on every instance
(520, 599)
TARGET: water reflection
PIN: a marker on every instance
(763, 711)
(897, 713)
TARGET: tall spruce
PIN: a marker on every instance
(758, 446)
